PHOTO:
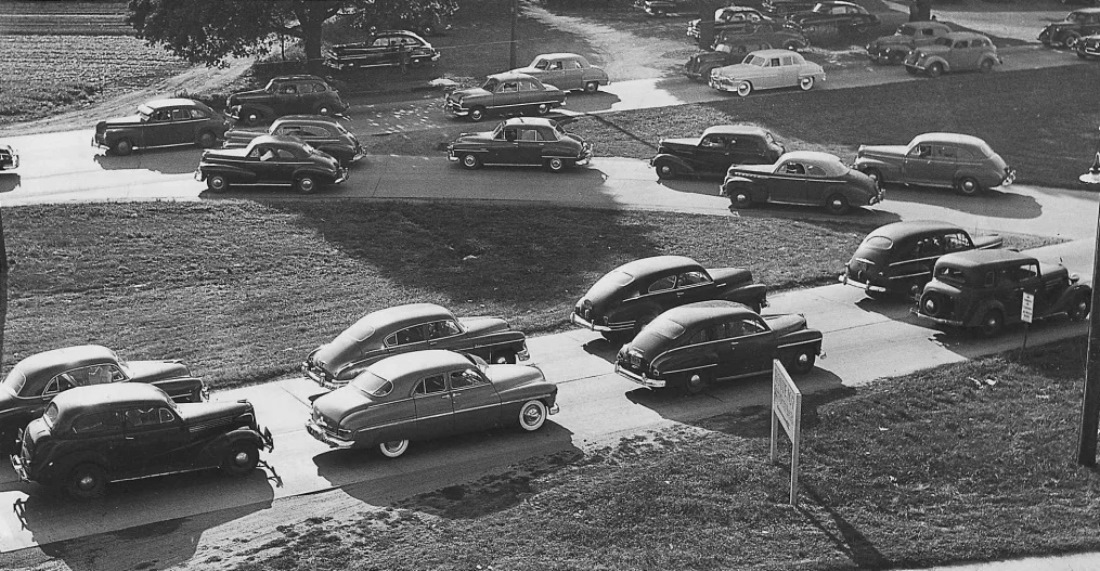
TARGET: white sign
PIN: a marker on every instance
(1027, 310)
(786, 411)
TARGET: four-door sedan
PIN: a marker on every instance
(566, 72)
(957, 51)
(898, 258)
(33, 382)
(694, 345)
(161, 123)
(411, 327)
(384, 49)
(624, 300)
(801, 177)
(1089, 47)
(504, 93)
(728, 18)
(91, 436)
(947, 160)
(430, 394)
(535, 142)
(325, 134)
(908, 37)
(844, 16)
(714, 152)
(767, 69)
(285, 95)
(270, 160)
(1076, 25)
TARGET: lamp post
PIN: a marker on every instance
(1090, 405)
(512, 44)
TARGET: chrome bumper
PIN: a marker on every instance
(844, 279)
(333, 442)
(17, 463)
(582, 322)
(640, 379)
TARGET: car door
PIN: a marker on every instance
(153, 441)
(692, 286)
(574, 75)
(756, 344)
(474, 400)
(918, 166)
(964, 55)
(529, 92)
(1012, 282)
(531, 146)
(446, 334)
(286, 99)
(789, 183)
(917, 260)
(285, 164)
(735, 357)
(261, 163)
(788, 72)
(309, 94)
(554, 73)
(660, 292)
(713, 153)
(505, 148)
(944, 164)
(434, 412)
(158, 129)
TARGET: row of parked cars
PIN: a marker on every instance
(1079, 31)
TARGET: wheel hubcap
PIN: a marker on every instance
(307, 184)
(803, 359)
(241, 458)
(531, 415)
(87, 482)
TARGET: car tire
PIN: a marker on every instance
(695, 383)
(933, 304)
(241, 458)
(477, 114)
(935, 70)
(532, 415)
(252, 117)
(592, 87)
(1080, 308)
(122, 147)
(206, 139)
(556, 164)
(505, 357)
(471, 161)
(1070, 41)
(666, 170)
(305, 184)
(791, 45)
(542, 109)
(393, 448)
(741, 198)
(800, 361)
(217, 183)
(806, 83)
(992, 322)
(986, 65)
(837, 204)
(744, 89)
(86, 481)
(968, 186)
(875, 175)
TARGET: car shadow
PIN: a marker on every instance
(598, 101)
(177, 160)
(861, 216)
(994, 203)
(9, 182)
(603, 349)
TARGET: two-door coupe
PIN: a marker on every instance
(802, 177)
(522, 142)
(430, 394)
(506, 93)
(714, 152)
(411, 327)
(325, 134)
(33, 382)
(949, 160)
(161, 123)
(566, 72)
(767, 69)
(694, 345)
(270, 160)
(625, 299)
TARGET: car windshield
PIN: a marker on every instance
(753, 59)
(821, 8)
(490, 84)
(372, 384)
(878, 243)
(1077, 18)
(145, 111)
(122, 365)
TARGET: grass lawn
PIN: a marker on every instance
(966, 462)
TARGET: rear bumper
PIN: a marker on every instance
(333, 442)
(640, 379)
(582, 322)
(844, 279)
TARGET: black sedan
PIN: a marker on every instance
(270, 160)
(844, 16)
(694, 345)
(633, 294)
(713, 153)
(523, 142)
(802, 177)
(325, 134)
(161, 123)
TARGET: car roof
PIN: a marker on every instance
(278, 139)
(924, 24)
(398, 315)
(307, 119)
(57, 360)
(809, 156)
(965, 36)
(170, 102)
(417, 362)
(839, 3)
(955, 138)
(704, 311)
(734, 130)
(112, 394)
(559, 55)
(899, 230)
(1086, 11)
(974, 258)
(534, 121)
(654, 264)
(299, 77)
(507, 75)
(774, 53)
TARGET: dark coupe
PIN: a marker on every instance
(325, 134)
(624, 300)
(285, 95)
(898, 258)
(802, 177)
(844, 16)
(33, 382)
(161, 123)
(270, 160)
(522, 142)
(430, 394)
(714, 152)
(694, 345)
(384, 49)
(411, 327)
(506, 93)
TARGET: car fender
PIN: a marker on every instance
(802, 337)
(863, 164)
(1066, 299)
(57, 470)
(752, 295)
(937, 59)
(976, 314)
(265, 110)
(681, 165)
(212, 453)
(982, 176)
(234, 174)
(315, 171)
(757, 193)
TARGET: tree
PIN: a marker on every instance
(208, 31)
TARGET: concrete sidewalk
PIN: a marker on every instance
(1077, 562)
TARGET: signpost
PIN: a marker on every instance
(786, 411)
(1027, 311)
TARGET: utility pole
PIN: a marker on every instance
(1090, 406)
(512, 45)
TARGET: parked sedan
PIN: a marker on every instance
(947, 160)
(1089, 47)
(844, 16)
(522, 142)
(802, 177)
(566, 72)
(430, 394)
(504, 93)
(411, 327)
(909, 36)
(694, 345)
(1076, 25)
(33, 382)
(384, 49)
(897, 259)
(325, 134)
(624, 300)
(285, 95)
(270, 160)
(728, 18)
(767, 69)
(9, 157)
(957, 51)
(714, 152)
(160, 123)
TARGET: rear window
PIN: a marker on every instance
(15, 380)
(665, 328)
(616, 278)
(372, 384)
(878, 243)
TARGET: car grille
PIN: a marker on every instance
(912, 58)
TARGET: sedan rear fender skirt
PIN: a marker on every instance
(681, 165)
(751, 295)
(981, 176)
(802, 337)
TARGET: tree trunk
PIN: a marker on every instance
(311, 21)
(3, 284)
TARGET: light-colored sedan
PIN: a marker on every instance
(767, 69)
(566, 72)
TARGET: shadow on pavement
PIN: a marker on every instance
(10, 182)
(992, 203)
(167, 161)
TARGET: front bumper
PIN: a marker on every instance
(319, 433)
(455, 109)
(1010, 177)
(640, 379)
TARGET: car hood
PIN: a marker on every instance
(342, 402)
(678, 144)
(470, 92)
(753, 168)
(785, 323)
(506, 377)
(987, 242)
(198, 414)
(234, 153)
(484, 325)
(121, 121)
(243, 135)
(243, 96)
(739, 70)
(151, 371)
(883, 150)
(476, 137)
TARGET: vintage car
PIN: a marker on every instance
(9, 157)
(1089, 47)
(844, 16)
(947, 160)
(430, 394)
(898, 258)
(627, 298)
(1076, 25)
(505, 94)
(91, 436)
(983, 291)
(802, 177)
(384, 49)
(714, 152)
(909, 36)
(325, 134)
(33, 382)
(160, 123)
(957, 51)
(411, 327)
(692, 346)
(759, 36)
(566, 72)
(767, 69)
(285, 95)
(270, 160)
(733, 18)
(701, 64)
(522, 141)
(667, 7)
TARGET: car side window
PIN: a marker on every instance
(542, 64)
(922, 151)
(959, 44)
(788, 60)
(141, 416)
(700, 336)
(319, 87)
(929, 246)
(381, 43)
(431, 385)
(692, 278)
(97, 422)
(62, 382)
(162, 115)
(752, 326)
(664, 284)
(511, 134)
(774, 62)
(556, 66)
(199, 114)
(467, 379)
(441, 329)
(574, 64)
(284, 154)
(407, 336)
(720, 331)
(165, 416)
(509, 87)
(529, 135)
(957, 242)
(927, 32)
(946, 151)
(713, 141)
(290, 89)
(792, 167)
(814, 170)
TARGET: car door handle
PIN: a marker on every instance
(445, 397)
(679, 294)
